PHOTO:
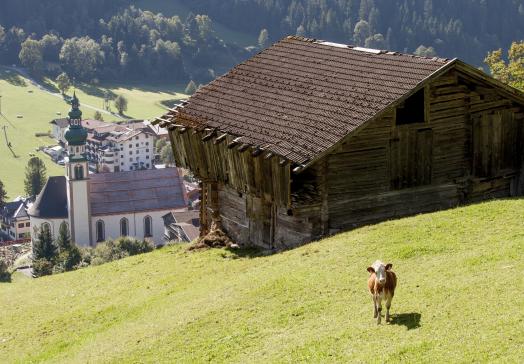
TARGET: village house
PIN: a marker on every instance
(15, 223)
(104, 206)
(182, 225)
(115, 147)
(309, 138)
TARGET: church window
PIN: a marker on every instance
(124, 227)
(77, 149)
(79, 172)
(148, 226)
(100, 231)
(45, 226)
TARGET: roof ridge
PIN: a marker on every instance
(359, 48)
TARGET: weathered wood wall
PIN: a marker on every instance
(469, 148)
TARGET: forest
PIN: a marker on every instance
(114, 39)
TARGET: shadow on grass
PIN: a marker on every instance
(409, 320)
(45, 83)
(249, 252)
(93, 90)
(12, 77)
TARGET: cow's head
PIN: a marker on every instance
(380, 269)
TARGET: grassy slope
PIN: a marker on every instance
(39, 108)
(460, 272)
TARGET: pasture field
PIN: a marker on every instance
(37, 108)
(458, 300)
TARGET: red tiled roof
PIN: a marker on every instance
(301, 96)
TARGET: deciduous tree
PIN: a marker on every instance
(510, 71)
(191, 88)
(63, 82)
(121, 104)
(263, 39)
(31, 55)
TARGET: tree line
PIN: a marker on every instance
(131, 44)
(449, 28)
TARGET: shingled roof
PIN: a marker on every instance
(51, 202)
(136, 191)
(301, 96)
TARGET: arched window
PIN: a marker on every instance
(148, 226)
(45, 226)
(79, 172)
(100, 231)
(124, 230)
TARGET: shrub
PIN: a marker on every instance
(5, 275)
(42, 267)
(116, 249)
(134, 246)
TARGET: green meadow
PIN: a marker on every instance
(458, 300)
(27, 110)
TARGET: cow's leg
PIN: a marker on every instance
(379, 308)
(375, 311)
(388, 305)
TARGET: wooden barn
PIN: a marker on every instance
(309, 138)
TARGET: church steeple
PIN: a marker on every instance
(77, 176)
(75, 133)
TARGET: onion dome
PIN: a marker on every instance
(75, 133)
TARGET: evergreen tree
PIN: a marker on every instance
(69, 254)
(121, 104)
(63, 82)
(263, 39)
(191, 88)
(45, 252)
(35, 176)
(3, 195)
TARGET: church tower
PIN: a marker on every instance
(77, 176)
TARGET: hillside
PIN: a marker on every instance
(459, 274)
(20, 97)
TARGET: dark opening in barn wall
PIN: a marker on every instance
(412, 110)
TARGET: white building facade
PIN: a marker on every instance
(99, 207)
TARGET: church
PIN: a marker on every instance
(98, 207)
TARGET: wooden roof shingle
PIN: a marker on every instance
(301, 96)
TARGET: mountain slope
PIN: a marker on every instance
(459, 273)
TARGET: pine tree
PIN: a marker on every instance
(69, 255)
(35, 176)
(43, 245)
(3, 195)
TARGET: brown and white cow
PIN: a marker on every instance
(381, 285)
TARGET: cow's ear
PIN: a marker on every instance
(371, 270)
(389, 266)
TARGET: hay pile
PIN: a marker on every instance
(216, 238)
